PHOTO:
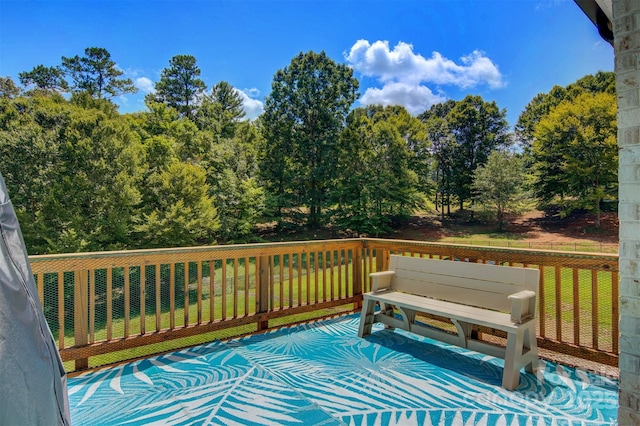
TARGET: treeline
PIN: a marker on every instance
(193, 170)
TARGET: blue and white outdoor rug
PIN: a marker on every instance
(323, 374)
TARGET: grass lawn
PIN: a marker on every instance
(236, 302)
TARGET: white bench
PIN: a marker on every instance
(499, 297)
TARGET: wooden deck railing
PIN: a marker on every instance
(101, 304)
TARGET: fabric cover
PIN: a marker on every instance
(32, 377)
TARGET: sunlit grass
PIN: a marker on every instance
(498, 240)
(285, 291)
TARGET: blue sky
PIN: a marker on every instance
(409, 52)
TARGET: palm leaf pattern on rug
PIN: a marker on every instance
(322, 373)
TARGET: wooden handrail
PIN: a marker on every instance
(100, 303)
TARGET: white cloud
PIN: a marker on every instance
(402, 64)
(479, 69)
(253, 92)
(252, 107)
(144, 84)
(415, 98)
(404, 73)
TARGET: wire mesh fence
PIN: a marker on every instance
(107, 307)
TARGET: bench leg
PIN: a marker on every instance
(522, 350)
(512, 363)
(464, 332)
(531, 344)
(408, 317)
(366, 317)
(387, 309)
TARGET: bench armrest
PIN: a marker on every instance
(381, 280)
(523, 306)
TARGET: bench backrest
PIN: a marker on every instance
(467, 283)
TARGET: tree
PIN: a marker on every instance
(303, 117)
(500, 185)
(180, 85)
(442, 145)
(242, 202)
(375, 184)
(232, 171)
(414, 133)
(8, 88)
(75, 174)
(96, 74)
(230, 165)
(543, 103)
(576, 153)
(221, 110)
(478, 127)
(184, 213)
(45, 78)
(27, 149)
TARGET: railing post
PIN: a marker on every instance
(358, 283)
(262, 291)
(80, 312)
(382, 259)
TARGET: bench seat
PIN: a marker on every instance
(498, 320)
(508, 295)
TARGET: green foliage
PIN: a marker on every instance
(242, 205)
(95, 73)
(375, 184)
(159, 119)
(576, 154)
(180, 85)
(86, 101)
(8, 88)
(414, 133)
(45, 78)
(500, 184)
(73, 174)
(478, 127)
(183, 214)
(442, 146)
(221, 110)
(543, 103)
(159, 152)
(463, 135)
(83, 177)
(192, 169)
(232, 170)
(303, 117)
(222, 145)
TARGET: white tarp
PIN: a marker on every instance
(32, 378)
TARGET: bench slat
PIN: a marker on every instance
(468, 291)
(494, 283)
(460, 282)
(498, 320)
